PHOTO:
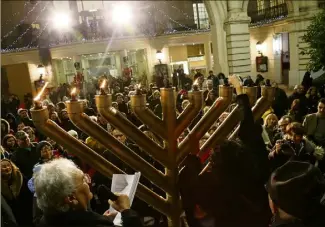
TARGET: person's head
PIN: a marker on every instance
(115, 105)
(223, 117)
(212, 95)
(295, 104)
(64, 115)
(101, 120)
(212, 130)
(271, 120)
(119, 98)
(7, 168)
(54, 116)
(312, 91)
(9, 141)
(117, 89)
(296, 132)
(321, 107)
(45, 149)
(275, 85)
(23, 140)
(23, 113)
(20, 126)
(30, 131)
(296, 191)
(209, 85)
(119, 136)
(126, 90)
(156, 94)
(299, 89)
(185, 103)
(51, 107)
(283, 123)
(211, 73)
(131, 87)
(61, 186)
(126, 99)
(60, 106)
(221, 76)
(5, 127)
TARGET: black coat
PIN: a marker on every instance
(25, 159)
(88, 218)
(238, 197)
(22, 206)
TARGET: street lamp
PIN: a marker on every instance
(61, 20)
(41, 70)
(159, 56)
(122, 13)
(259, 48)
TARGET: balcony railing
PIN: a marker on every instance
(269, 15)
(88, 33)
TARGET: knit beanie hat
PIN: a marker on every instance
(298, 188)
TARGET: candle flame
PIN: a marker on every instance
(196, 82)
(103, 84)
(138, 86)
(39, 95)
(73, 91)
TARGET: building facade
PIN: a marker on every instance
(246, 37)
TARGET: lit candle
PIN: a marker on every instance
(195, 86)
(102, 88)
(74, 94)
(137, 89)
(37, 99)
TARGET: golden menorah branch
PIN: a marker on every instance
(51, 129)
(210, 117)
(146, 116)
(233, 119)
(190, 112)
(91, 128)
(262, 104)
(118, 120)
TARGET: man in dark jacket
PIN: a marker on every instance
(280, 103)
(23, 115)
(25, 156)
(297, 195)
(299, 93)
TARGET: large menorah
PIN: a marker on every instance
(169, 128)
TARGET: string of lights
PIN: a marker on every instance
(39, 35)
(12, 16)
(21, 22)
(143, 29)
(21, 36)
(179, 10)
(165, 15)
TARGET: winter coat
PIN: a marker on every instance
(18, 197)
(25, 159)
(88, 218)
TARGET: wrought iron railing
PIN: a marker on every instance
(269, 15)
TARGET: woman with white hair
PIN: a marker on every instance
(63, 195)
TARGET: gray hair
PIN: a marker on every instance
(53, 183)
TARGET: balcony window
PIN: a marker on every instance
(268, 11)
(201, 18)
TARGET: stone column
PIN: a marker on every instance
(238, 45)
(208, 56)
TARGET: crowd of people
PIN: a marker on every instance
(272, 174)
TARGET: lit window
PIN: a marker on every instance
(201, 18)
(260, 6)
